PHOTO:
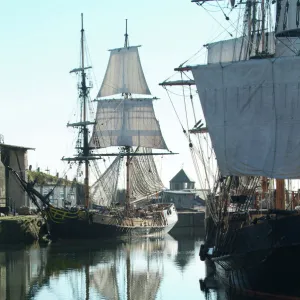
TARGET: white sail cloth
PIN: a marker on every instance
(252, 110)
(124, 74)
(104, 190)
(144, 178)
(238, 48)
(127, 122)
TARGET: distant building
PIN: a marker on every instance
(181, 191)
(181, 199)
(65, 193)
(181, 182)
(11, 194)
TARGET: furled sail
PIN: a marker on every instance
(104, 190)
(287, 18)
(239, 48)
(252, 110)
(287, 28)
(127, 122)
(124, 73)
(144, 178)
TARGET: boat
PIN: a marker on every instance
(249, 92)
(126, 122)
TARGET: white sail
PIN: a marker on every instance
(124, 74)
(104, 190)
(226, 51)
(238, 49)
(252, 110)
(127, 122)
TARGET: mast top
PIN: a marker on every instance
(82, 22)
(126, 43)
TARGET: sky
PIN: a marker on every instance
(41, 44)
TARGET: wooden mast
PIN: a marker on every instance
(85, 129)
(127, 148)
(127, 199)
(263, 25)
(126, 37)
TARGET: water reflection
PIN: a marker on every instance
(136, 269)
(19, 270)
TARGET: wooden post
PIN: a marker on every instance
(280, 194)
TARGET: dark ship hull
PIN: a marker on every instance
(78, 229)
(64, 224)
(262, 258)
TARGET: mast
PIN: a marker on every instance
(127, 148)
(85, 129)
(127, 199)
(126, 44)
(84, 154)
(263, 25)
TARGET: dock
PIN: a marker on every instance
(190, 218)
(20, 229)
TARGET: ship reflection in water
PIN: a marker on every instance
(144, 268)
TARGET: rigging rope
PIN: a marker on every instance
(103, 191)
(144, 177)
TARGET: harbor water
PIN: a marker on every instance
(144, 268)
(160, 268)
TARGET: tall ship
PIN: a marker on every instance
(128, 123)
(249, 92)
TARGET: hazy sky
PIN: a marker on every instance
(41, 44)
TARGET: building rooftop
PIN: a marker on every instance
(187, 192)
(181, 177)
(15, 147)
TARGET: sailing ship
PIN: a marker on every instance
(126, 122)
(249, 92)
